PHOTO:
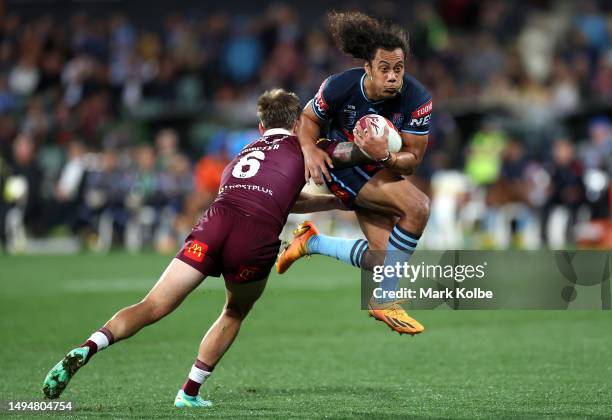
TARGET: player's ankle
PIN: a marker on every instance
(199, 373)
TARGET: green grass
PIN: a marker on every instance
(306, 350)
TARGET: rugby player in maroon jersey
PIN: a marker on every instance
(237, 237)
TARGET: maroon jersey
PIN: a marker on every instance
(266, 178)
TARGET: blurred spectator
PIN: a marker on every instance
(8, 101)
(176, 182)
(36, 122)
(106, 188)
(23, 166)
(597, 154)
(243, 53)
(602, 82)
(63, 208)
(566, 188)
(72, 173)
(145, 189)
(24, 77)
(166, 145)
(592, 24)
(511, 184)
(483, 160)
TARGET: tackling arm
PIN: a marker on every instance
(312, 203)
(316, 160)
(344, 154)
(308, 128)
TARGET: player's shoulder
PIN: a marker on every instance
(335, 90)
(344, 81)
(414, 94)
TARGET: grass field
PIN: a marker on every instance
(307, 350)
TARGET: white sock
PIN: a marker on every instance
(100, 339)
(198, 375)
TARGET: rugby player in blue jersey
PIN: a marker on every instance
(392, 212)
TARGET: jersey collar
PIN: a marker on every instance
(361, 84)
(275, 131)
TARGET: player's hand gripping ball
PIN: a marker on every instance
(378, 123)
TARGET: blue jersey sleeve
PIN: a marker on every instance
(418, 111)
(331, 94)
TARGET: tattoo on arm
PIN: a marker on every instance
(347, 154)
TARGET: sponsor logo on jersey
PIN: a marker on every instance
(247, 272)
(423, 110)
(397, 119)
(195, 250)
(418, 122)
(319, 101)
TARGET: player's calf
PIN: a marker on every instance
(220, 336)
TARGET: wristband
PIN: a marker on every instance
(386, 158)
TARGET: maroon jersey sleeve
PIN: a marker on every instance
(265, 179)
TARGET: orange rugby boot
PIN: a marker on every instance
(298, 246)
(395, 317)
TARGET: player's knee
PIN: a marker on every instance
(154, 309)
(237, 311)
(422, 207)
(415, 206)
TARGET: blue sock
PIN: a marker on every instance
(349, 251)
(400, 247)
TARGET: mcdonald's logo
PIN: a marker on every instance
(195, 250)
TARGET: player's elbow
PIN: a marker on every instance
(407, 171)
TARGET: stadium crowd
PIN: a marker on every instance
(70, 92)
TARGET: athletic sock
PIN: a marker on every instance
(199, 373)
(400, 248)
(99, 340)
(349, 251)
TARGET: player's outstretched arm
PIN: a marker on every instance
(312, 203)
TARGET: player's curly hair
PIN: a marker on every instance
(360, 35)
(278, 108)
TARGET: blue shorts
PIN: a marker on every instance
(346, 183)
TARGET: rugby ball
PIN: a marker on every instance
(394, 139)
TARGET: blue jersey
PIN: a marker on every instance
(341, 101)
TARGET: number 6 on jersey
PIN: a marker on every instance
(251, 161)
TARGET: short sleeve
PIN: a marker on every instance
(418, 116)
(324, 102)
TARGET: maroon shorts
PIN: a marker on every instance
(228, 242)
